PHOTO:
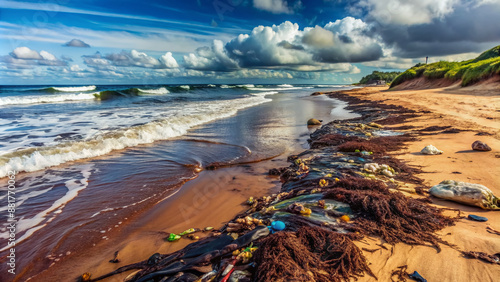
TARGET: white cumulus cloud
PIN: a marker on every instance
(47, 56)
(25, 58)
(131, 58)
(169, 61)
(287, 46)
(25, 53)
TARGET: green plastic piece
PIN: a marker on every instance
(173, 237)
(189, 231)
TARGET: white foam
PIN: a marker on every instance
(286, 86)
(175, 125)
(161, 90)
(275, 89)
(75, 89)
(247, 86)
(185, 87)
(31, 225)
(266, 93)
(224, 86)
(14, 100)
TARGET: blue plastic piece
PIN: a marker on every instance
(278, 225)
(416, 276)
(477, 217)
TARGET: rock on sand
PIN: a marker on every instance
(480, 146)
(313, 121)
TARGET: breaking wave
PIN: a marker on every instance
(74, 89)
(161, 90)
(23, 100)
(33, 159)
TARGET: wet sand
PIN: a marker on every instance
(212, 199)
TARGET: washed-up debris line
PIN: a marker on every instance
(344, 188)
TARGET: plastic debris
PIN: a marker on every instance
(250, 201)
(477, 217)
(173, 237)
(323, 183)
(240, 275)
(431, 150)
(85, 277)
(417, 277)
(372, 124)
(189, 231)
(246, 223)
(466, 193)
(345, 218)
(193, 237)
(277, 226)
(267, 210)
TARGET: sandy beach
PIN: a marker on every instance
(215, 197)
(473, 111)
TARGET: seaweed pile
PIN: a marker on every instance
(344, 188)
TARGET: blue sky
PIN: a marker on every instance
(234, 41)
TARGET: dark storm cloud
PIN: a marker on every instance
(77, 43)
(466, 29)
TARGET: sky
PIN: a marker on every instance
(234, 41)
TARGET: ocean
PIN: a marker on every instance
(90, 157)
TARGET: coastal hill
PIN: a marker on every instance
(379, 78)
(483, 70)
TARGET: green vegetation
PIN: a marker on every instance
(485, 65)
(377, 75)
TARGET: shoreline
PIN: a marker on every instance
(223, 193)
(131, 254)
(124, 177)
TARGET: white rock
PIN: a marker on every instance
(466, 193)
(431, 150)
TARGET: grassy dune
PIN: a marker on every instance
(469, 72)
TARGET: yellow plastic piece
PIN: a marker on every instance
(306, 211)
(345, 218)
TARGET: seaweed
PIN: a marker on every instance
(310, 254)
(357, 183)
(435, 128)
(377, 144)
(332, 140)
(368, 146)
(393, 216)
(495, 259)
(400, 273)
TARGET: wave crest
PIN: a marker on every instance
(161, 90)
(16, 100)
(33, 159)
(74, 89)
